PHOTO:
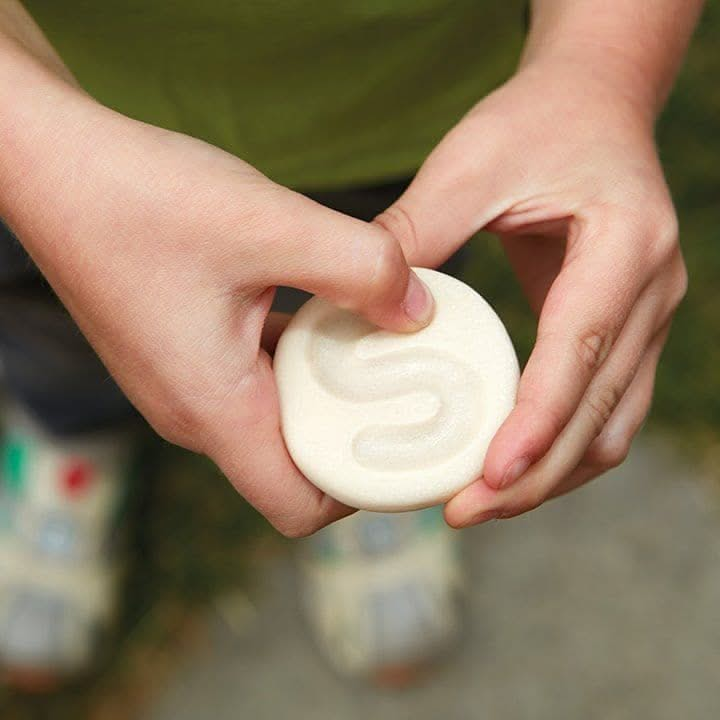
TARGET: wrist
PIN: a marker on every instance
(42, 123)
(596, 82)
(634, 53)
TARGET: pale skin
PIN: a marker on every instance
(166, 251)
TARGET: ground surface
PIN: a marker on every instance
(605, 604)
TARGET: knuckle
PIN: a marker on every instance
(178, 425)
(397, 221)
(663, 235)
(669, 227)
(609, 452)
(675, 288)
(591, 349)
(681, 281)
(600, 405)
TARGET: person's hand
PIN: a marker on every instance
(167, 251)
(561, 164)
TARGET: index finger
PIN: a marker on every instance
(586, 308)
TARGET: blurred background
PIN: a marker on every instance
(603, 604)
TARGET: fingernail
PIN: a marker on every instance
(418, 304)
(480, 518)
(515, 470)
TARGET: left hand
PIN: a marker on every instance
(561, 163)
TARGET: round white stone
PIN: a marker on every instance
(390, 421)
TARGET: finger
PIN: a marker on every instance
(611, 447)
(275, 324)
(355, 265)
(587, 425)
(246, 443)
(585, 310)
(566, 453)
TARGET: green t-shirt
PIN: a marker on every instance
(315, 94)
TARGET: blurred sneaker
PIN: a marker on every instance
(59, 505)
(381, 591)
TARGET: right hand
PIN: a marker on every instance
(166, 251)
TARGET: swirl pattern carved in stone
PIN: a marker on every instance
(339, 366)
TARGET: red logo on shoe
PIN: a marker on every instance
(77, 478)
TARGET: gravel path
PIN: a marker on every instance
(605, 604)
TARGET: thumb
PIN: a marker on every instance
(353, 264)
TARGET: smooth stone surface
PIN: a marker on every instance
(391, 421)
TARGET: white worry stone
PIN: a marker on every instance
(390, 421)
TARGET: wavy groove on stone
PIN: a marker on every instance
(418, 444)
